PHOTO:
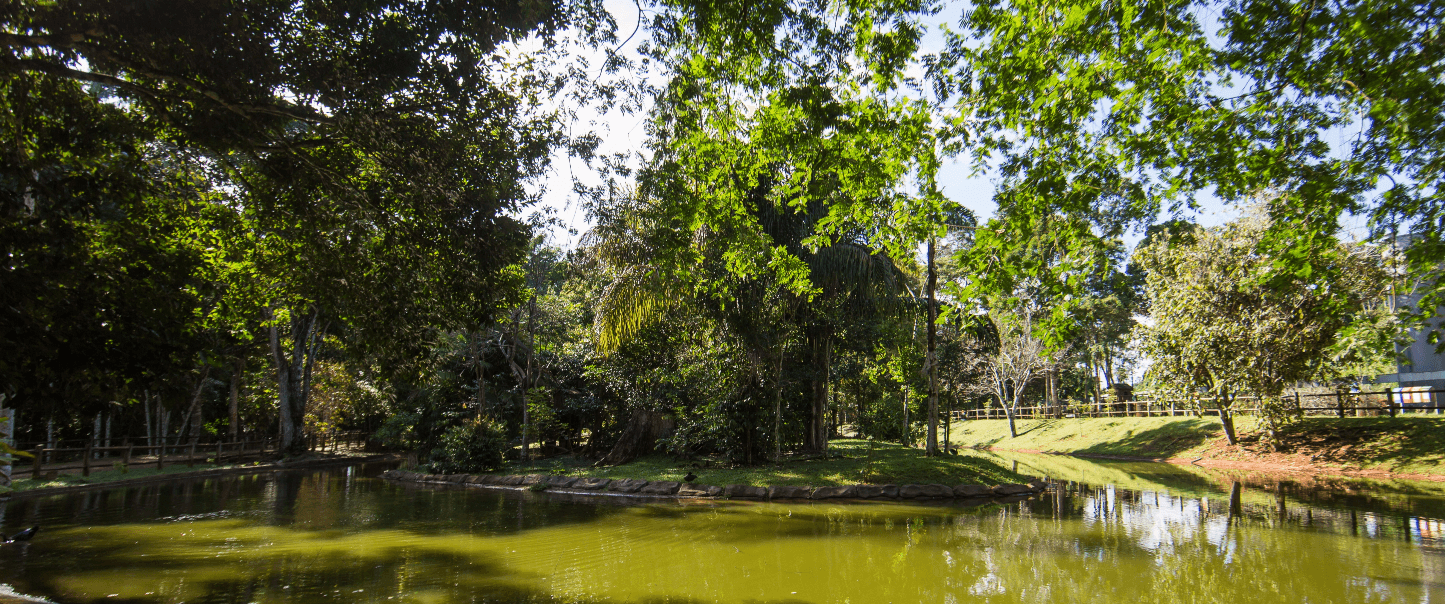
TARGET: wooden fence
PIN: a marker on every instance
(1389, 402)
(88, 454)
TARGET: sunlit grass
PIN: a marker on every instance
(1409, 444)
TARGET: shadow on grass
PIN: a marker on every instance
(1163, 442)
(1046, 424)
(1375, 441)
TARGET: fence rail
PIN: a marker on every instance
(1391, 402)
(53, 457)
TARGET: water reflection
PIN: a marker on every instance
(342, 535)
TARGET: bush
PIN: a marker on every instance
(399, 431)
(471, 446)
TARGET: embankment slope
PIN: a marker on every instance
(1404, 447)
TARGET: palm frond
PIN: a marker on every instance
(638, 297)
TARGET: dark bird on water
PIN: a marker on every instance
(24, 535)
(690, 477)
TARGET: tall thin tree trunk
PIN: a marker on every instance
(1108, 367)
(531, 352)
(907, 438)
(1052, 376)
(235, 402)
(194, 414)
(778, 411)
(481, 401)
(932, 447)
(146, 407)
(817, 438)
(948, 421)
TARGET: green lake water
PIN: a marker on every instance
(1104, 533)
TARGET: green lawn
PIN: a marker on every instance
(861, 462)
(1154, 437)
(1413, 444)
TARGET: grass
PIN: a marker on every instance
(1412, 444)
(1154, 437)
(854, 462)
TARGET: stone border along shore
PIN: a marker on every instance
(681, 490)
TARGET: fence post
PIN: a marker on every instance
(1297, 407)
(1390, 400)
(161, 455)
(191, 456)
(39, 462)
(129, 449)
(1340, 401)
(220, 446)
(85, 464)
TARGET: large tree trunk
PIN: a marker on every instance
(293, 375)
(817, 437)
(638, 438)
(1224, 403)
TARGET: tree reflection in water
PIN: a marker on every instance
(337, 535)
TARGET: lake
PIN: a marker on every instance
(1105, 532)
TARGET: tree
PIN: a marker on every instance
(1130, 108)
(373, 153)
(1020, 356)
(1221, 326)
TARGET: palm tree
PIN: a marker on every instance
(850, 278)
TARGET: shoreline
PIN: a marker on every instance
(266, 467)
(672, 490)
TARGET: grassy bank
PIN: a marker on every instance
(1405, 445)
(854, 462)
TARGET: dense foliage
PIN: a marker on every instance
(313, 216)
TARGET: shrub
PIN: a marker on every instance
(471, 446)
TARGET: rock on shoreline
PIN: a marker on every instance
(671, 489)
